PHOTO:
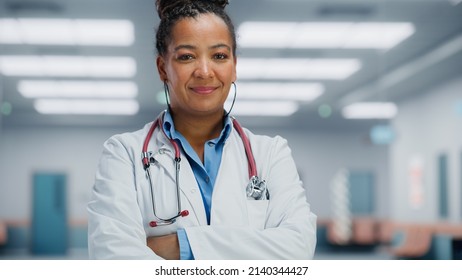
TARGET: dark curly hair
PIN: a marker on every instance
(171, 11)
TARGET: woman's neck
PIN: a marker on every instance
(198, 129)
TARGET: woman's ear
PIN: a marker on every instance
(161, 68)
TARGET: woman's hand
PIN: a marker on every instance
(165, 246)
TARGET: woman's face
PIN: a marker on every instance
(199, 65)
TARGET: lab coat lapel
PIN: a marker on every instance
(229, 199)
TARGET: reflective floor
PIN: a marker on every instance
(73, 254)
(82, 254)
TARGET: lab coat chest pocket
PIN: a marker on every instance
(256, 212)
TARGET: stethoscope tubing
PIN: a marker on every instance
(252, 169)
(252, 166)
(147, 164)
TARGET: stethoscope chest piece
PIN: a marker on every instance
(256, 189)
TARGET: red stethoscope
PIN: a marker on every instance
(256, 188)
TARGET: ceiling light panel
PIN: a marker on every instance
(263, 108)
(320, 35)
(378, 35)
(68, 66)
(77, 89)
(266, 34)
(370, 110)
(297, 68)
(86, 106)
(351, 35)
(66, 32)
(304, 92)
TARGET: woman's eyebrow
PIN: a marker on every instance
(188, 47)
(191, 47)
(217, 46)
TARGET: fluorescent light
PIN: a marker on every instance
(263, 108)
(279, 91)
(77, 89)
(9, 33)
(378, 35)
(265, 34)
(68, 66)
(297, 68)
(320, 35)
(370, 110)
(86, 106)
(94, 32)
(105, 32)
(373, 35)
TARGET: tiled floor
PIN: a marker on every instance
(377, 253)
(82, 254)
(72, 254)
(352, 256)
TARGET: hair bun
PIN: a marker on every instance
(220, 3)
(164, 7)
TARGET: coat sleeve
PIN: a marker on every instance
(290, 226)
(115, 229)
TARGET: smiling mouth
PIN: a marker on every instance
(203, 90)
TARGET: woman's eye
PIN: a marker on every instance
(220, 56)
(185, 57)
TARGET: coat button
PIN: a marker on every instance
(193, 191)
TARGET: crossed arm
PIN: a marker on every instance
(165, 246)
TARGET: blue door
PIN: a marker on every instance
(49, 216)
(362, 196)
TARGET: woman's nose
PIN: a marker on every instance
(203, 69)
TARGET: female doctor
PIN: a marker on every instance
(193, 184)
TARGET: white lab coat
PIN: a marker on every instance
(282, 227)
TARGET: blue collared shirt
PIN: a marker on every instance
(205, 173)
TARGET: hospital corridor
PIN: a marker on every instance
(367, 93)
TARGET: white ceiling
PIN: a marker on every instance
(428, 58)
